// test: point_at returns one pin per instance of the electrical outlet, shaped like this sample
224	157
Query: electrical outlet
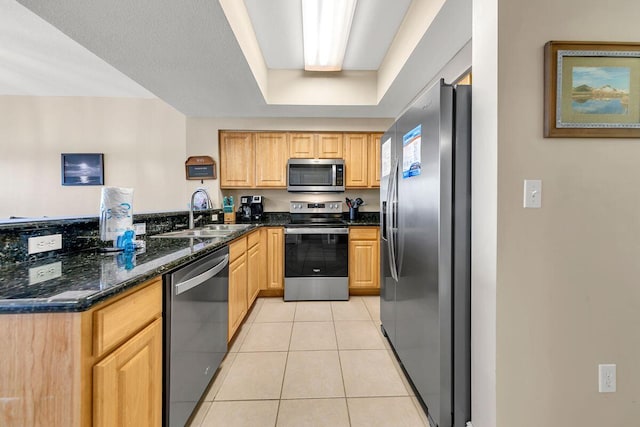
45	272
607	378
44	243
140	228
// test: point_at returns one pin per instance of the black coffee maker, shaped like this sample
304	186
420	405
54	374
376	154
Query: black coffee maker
244	212
257	208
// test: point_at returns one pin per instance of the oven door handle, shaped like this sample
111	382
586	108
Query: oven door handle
200	279
303	230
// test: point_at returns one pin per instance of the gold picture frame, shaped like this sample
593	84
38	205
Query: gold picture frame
591	90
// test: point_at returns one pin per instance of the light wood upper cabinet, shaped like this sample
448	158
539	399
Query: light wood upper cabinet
275	258
364	258
307	145
272	152
374	159
127	384
329	146
259	159
237	159
356	159
302	145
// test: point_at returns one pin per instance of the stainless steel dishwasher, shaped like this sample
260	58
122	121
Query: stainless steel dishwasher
195	337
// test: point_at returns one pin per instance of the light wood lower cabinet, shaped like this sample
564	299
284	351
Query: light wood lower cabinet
127	384
257	265
364	258
275	258
96	367
238	275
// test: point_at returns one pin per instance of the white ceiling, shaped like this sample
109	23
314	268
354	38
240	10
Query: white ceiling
187	54
38	59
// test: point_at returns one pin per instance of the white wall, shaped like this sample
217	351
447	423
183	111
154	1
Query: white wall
202	139
143	141
566	294
484	212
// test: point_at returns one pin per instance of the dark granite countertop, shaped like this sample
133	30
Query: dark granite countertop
89	277
363	222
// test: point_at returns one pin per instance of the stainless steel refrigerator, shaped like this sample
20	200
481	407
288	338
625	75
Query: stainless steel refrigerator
425	206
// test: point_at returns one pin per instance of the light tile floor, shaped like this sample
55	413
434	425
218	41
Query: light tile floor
310	364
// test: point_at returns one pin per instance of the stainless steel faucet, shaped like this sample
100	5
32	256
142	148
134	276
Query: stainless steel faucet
191	209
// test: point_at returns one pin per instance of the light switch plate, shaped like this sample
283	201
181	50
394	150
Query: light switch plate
532	193
47	243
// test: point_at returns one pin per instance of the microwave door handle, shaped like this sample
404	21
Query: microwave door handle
334	172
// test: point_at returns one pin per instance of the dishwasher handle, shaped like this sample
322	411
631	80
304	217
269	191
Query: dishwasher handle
198	280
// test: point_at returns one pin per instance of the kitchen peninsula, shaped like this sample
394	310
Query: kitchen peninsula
102	315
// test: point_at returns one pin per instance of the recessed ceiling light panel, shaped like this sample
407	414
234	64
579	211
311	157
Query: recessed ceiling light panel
326	25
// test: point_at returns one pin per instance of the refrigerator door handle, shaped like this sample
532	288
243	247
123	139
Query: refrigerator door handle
392	222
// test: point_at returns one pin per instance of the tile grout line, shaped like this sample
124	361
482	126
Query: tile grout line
344	387
286	362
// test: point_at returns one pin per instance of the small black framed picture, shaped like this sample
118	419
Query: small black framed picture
82	169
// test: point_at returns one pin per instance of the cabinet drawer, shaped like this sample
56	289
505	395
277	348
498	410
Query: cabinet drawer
237	248
117	322
253	238
368	233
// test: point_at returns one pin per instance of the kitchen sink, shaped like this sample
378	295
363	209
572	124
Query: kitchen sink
227	227
207	232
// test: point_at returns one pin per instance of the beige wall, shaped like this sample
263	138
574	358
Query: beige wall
143	141
202	139
567	294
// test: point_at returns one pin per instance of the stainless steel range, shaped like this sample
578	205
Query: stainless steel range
316	264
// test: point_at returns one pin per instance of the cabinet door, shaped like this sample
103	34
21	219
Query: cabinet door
275	258
330	146
253	273
356	160
237	160
302	145
272	152
364	257
237	293
374	159
263	258
127	388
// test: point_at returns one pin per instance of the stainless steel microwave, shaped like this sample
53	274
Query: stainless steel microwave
315	175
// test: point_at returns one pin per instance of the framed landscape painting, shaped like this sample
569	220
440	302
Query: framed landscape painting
592	89
82	169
